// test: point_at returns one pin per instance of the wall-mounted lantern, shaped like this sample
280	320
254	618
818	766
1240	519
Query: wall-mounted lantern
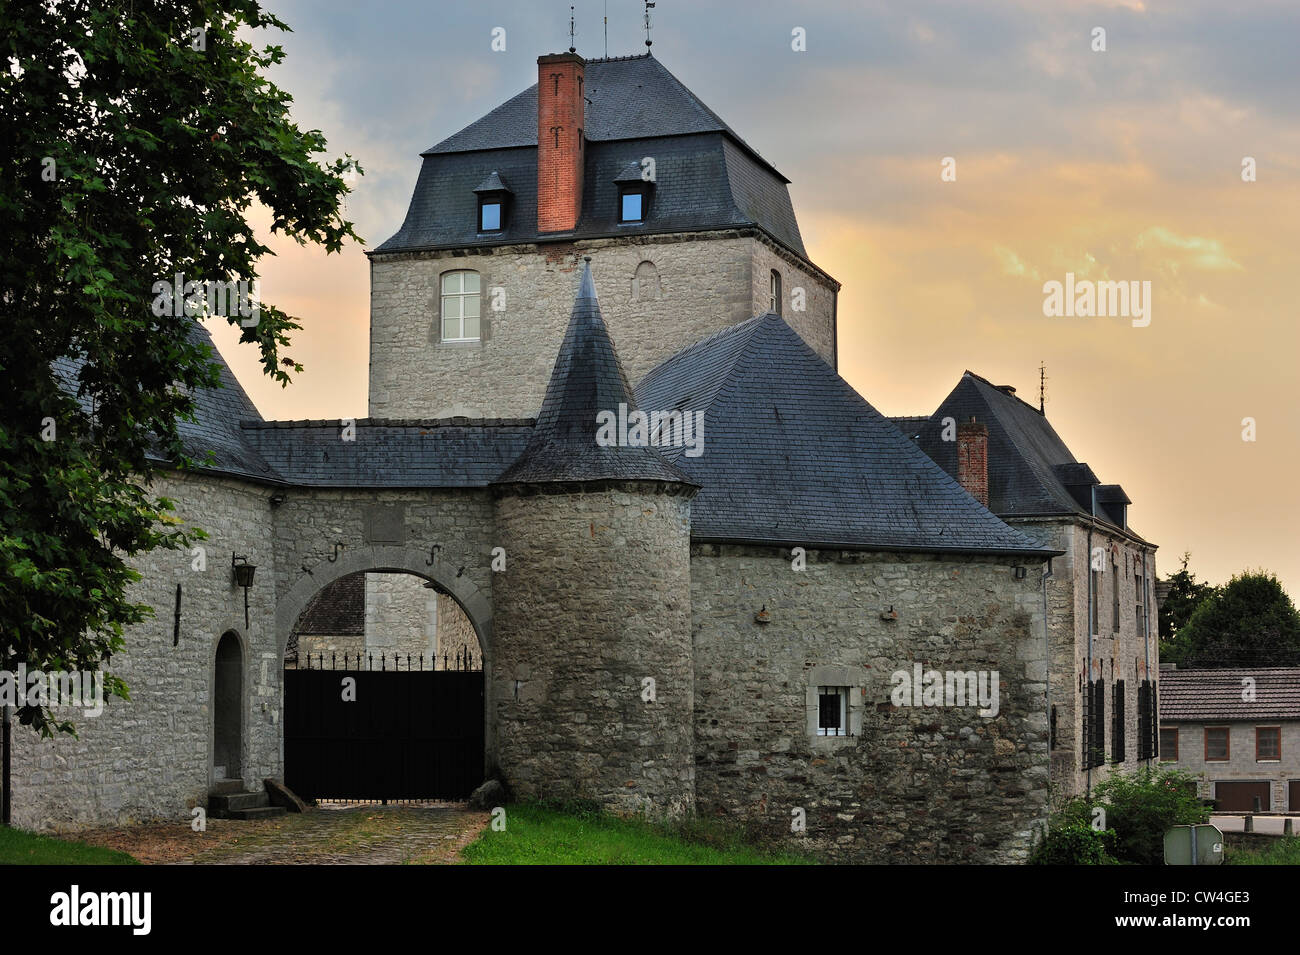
243	573
763	616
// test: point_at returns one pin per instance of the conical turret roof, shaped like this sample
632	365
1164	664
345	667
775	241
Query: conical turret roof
587	379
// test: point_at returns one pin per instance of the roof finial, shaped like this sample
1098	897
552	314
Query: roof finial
1042	389
648	7
572	47
607	29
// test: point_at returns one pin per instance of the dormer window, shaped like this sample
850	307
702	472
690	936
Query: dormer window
631	205
633	193
493	204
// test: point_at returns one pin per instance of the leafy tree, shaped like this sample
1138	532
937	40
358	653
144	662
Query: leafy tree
1185	595
136	138
1248	622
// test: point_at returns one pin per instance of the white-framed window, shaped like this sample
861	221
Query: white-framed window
460	306
832	711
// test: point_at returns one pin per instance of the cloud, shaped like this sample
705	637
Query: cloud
1203	253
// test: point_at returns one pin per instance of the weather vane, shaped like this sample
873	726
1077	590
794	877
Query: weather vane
648	7
572	46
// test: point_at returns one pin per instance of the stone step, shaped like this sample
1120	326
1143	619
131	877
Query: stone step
240	800
261	812
227	786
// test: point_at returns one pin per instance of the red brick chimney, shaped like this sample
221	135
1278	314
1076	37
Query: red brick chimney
560	116
973	459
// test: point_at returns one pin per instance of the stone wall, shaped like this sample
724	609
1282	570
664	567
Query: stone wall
455	634
1120	654
912	784
694	285
594	602
401	616
149	758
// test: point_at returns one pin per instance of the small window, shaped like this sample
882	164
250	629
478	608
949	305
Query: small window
1096	585
1268	743
774	292
1169	744
832	711
1216	744
460	306
631	205
489	216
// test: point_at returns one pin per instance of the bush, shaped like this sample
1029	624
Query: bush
1143	806
1138	809
1070	842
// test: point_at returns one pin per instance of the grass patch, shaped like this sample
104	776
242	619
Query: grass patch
1284	850
538	834
26	848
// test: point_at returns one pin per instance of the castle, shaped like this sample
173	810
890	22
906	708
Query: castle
724	632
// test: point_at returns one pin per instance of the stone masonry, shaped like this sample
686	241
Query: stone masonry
706	283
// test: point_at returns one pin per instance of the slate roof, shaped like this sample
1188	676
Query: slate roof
216	428
587	379
628	97
338	609
449	452
1030	468
1215	695
706	177
792	454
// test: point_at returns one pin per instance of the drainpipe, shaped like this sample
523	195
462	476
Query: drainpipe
1092	600
1146	650
1047	644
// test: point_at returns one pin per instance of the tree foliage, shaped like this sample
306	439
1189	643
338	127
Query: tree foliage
1248	622
1185	595
137	137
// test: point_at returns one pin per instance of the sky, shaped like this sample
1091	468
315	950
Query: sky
1122	164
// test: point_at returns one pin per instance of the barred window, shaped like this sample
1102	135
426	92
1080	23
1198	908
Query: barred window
832	711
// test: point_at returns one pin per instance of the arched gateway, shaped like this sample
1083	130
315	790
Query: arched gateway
385	727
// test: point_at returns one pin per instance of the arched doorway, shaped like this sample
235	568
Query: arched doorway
227	716
383	683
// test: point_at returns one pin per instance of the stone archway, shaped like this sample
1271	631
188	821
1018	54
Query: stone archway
386	559
475	603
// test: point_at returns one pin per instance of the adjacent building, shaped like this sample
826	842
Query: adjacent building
1098	596
1239	730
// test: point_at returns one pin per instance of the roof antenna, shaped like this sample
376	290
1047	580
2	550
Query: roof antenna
572	48
648	7
1042	389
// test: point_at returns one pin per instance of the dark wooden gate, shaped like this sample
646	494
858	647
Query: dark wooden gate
409	734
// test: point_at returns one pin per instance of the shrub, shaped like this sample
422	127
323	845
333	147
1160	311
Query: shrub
1071	842
1141	807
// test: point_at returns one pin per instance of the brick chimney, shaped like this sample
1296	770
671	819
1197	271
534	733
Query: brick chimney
973	459
560	123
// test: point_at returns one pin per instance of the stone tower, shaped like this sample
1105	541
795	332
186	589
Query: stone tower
614	158
592	694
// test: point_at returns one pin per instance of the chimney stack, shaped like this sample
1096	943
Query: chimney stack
973	459
560	123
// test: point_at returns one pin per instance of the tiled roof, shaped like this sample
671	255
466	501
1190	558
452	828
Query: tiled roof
792	454
706	177
214	440
1030	467
338	609
587	379
1208	695
449	452
629	97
